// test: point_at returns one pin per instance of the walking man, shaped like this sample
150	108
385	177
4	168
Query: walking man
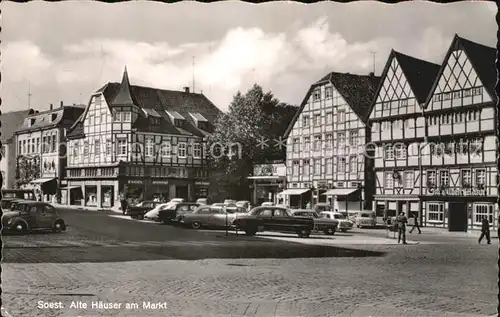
401	222
485	230
415	224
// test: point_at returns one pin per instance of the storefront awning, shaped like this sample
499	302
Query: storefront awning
266	177
340	191
294	191
42	180
70	187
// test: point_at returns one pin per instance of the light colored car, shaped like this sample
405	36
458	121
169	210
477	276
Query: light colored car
366	218
153	214
344	223
212	216
229	202
202	201
177	200
244	204
267	203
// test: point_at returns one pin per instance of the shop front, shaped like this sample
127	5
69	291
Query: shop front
268	181
201	189
459	210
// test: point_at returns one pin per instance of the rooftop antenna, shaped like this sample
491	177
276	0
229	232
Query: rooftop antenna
373	55
193	75
29	95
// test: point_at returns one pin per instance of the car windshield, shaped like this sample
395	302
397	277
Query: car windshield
339	216
366	216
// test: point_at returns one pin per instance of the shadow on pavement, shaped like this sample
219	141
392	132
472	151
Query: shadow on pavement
192	252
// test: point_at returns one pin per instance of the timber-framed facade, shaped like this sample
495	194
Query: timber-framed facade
142	141
326	143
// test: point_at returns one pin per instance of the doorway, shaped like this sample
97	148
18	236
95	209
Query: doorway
402	208
457	216
181	192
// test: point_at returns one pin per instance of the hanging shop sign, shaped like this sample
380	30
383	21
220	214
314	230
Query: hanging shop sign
135	181
269	170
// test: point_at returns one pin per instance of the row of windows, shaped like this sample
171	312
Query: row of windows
407	178
462	147
402	103
165	149
468	178
435	212
329	185
457	117
327	141
316	118
137	171
32	146
344	165
458	94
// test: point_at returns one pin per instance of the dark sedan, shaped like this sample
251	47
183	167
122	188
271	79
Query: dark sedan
32	215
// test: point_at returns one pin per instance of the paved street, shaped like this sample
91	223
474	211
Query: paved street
110	259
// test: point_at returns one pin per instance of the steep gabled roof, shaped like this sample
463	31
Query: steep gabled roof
357	90
420	74
11	121
481	57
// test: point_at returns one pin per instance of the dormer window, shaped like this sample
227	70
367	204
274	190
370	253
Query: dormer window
153	115
54	117
200	121
176	118
31	122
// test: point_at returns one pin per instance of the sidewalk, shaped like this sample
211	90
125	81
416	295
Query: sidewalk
469	234
113	209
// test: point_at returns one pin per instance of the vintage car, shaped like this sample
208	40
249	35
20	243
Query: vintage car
319	207
9	195
321	223
177	200
244	204
230	202
153	214
273	218
344	223
173	213
138	211
202	201
212	217
32	215
267	203
366	218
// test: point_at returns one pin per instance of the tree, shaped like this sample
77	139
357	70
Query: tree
246	134
28	169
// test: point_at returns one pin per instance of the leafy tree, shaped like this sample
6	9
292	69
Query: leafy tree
28	169
243	136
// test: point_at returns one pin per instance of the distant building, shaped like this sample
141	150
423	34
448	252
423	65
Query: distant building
268	181
141	142
41	147
11	121
326	143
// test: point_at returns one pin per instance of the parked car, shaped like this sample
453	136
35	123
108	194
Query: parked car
32	215
321	222
202	201
177	200
9	195
267	203
245	204
272	218
366	218
153	214
230	202
344	223
173	213
212	216
319	207
138	211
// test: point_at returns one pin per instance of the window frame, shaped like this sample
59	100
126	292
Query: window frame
439	212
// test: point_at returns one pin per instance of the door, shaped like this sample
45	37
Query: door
281	220
181	192
402	208
457	216
265	218
48	215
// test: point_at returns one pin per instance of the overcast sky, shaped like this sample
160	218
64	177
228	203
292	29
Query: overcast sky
67	50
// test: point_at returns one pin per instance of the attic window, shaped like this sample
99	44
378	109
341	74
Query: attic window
200	121
32	122
54	116
176	118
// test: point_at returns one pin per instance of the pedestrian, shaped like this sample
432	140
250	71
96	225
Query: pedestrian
401	222
415	224
485	230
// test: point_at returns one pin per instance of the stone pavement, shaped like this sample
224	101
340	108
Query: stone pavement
422	280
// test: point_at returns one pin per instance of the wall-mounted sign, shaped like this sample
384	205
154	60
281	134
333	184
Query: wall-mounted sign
202	183
457	192
135	181
159	182
269	170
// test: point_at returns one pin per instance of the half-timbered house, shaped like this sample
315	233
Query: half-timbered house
398	133
140	141
459	163
326	141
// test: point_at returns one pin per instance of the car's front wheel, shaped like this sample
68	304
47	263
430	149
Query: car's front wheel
21	227
343	230
196	225
250	231
304	233
330	231
140	217
59	226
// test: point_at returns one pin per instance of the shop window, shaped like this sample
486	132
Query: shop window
435	212
482	210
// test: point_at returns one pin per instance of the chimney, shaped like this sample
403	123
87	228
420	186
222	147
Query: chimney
51	106
372	74
186	89
62	104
